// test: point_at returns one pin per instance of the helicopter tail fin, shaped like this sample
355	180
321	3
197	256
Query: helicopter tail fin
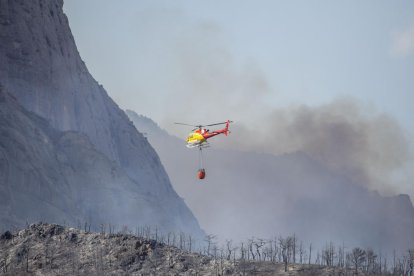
226	130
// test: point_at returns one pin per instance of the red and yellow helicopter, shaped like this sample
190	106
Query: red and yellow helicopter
198	139
199	136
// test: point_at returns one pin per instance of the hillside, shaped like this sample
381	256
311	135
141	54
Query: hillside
73	155
48	249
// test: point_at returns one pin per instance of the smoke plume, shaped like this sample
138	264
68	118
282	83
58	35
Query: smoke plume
198	78
366	146
349	137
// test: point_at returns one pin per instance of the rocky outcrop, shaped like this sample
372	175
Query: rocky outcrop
93	150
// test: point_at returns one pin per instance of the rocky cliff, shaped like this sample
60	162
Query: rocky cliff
41	67
95	161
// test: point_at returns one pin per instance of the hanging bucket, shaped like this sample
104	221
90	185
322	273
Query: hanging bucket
201	173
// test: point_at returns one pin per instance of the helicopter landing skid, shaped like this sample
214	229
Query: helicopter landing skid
200	146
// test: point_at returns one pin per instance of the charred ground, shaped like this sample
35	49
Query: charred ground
50	249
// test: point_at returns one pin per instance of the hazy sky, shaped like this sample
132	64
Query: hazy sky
202	60
206	61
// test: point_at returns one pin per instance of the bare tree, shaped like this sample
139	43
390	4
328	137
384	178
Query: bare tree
301	252
243	251
328	254
168	238
268	254
250	249
310	253
341	256
293	245
229	249
103	228
182	240
112	229
190	243
371	258
210	239
125	230
318	258
394	264
258	245
156	234
276	251
284	245
358	257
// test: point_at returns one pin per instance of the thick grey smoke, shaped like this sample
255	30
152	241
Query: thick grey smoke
349	137
366	146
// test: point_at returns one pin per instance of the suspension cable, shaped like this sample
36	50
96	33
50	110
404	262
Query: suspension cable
200	158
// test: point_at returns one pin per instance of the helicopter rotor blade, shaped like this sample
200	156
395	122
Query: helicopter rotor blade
185	124
200	126
219	123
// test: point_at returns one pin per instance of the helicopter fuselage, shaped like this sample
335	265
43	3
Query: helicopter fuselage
200	136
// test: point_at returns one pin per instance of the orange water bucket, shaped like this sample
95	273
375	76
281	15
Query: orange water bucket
201	173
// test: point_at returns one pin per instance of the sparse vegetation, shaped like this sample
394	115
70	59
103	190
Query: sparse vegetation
50	249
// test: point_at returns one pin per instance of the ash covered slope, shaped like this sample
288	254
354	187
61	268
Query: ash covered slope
45	249
263	195
41	67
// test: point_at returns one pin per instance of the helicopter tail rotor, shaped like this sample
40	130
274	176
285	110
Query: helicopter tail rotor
226	129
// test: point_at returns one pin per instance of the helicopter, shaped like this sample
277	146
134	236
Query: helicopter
199	136
198	139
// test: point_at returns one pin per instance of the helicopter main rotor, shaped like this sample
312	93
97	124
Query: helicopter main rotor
201	126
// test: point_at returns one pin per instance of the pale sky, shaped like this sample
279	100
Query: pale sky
205	61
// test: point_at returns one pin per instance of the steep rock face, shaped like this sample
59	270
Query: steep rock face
41	67
50	175
28	168
251	194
